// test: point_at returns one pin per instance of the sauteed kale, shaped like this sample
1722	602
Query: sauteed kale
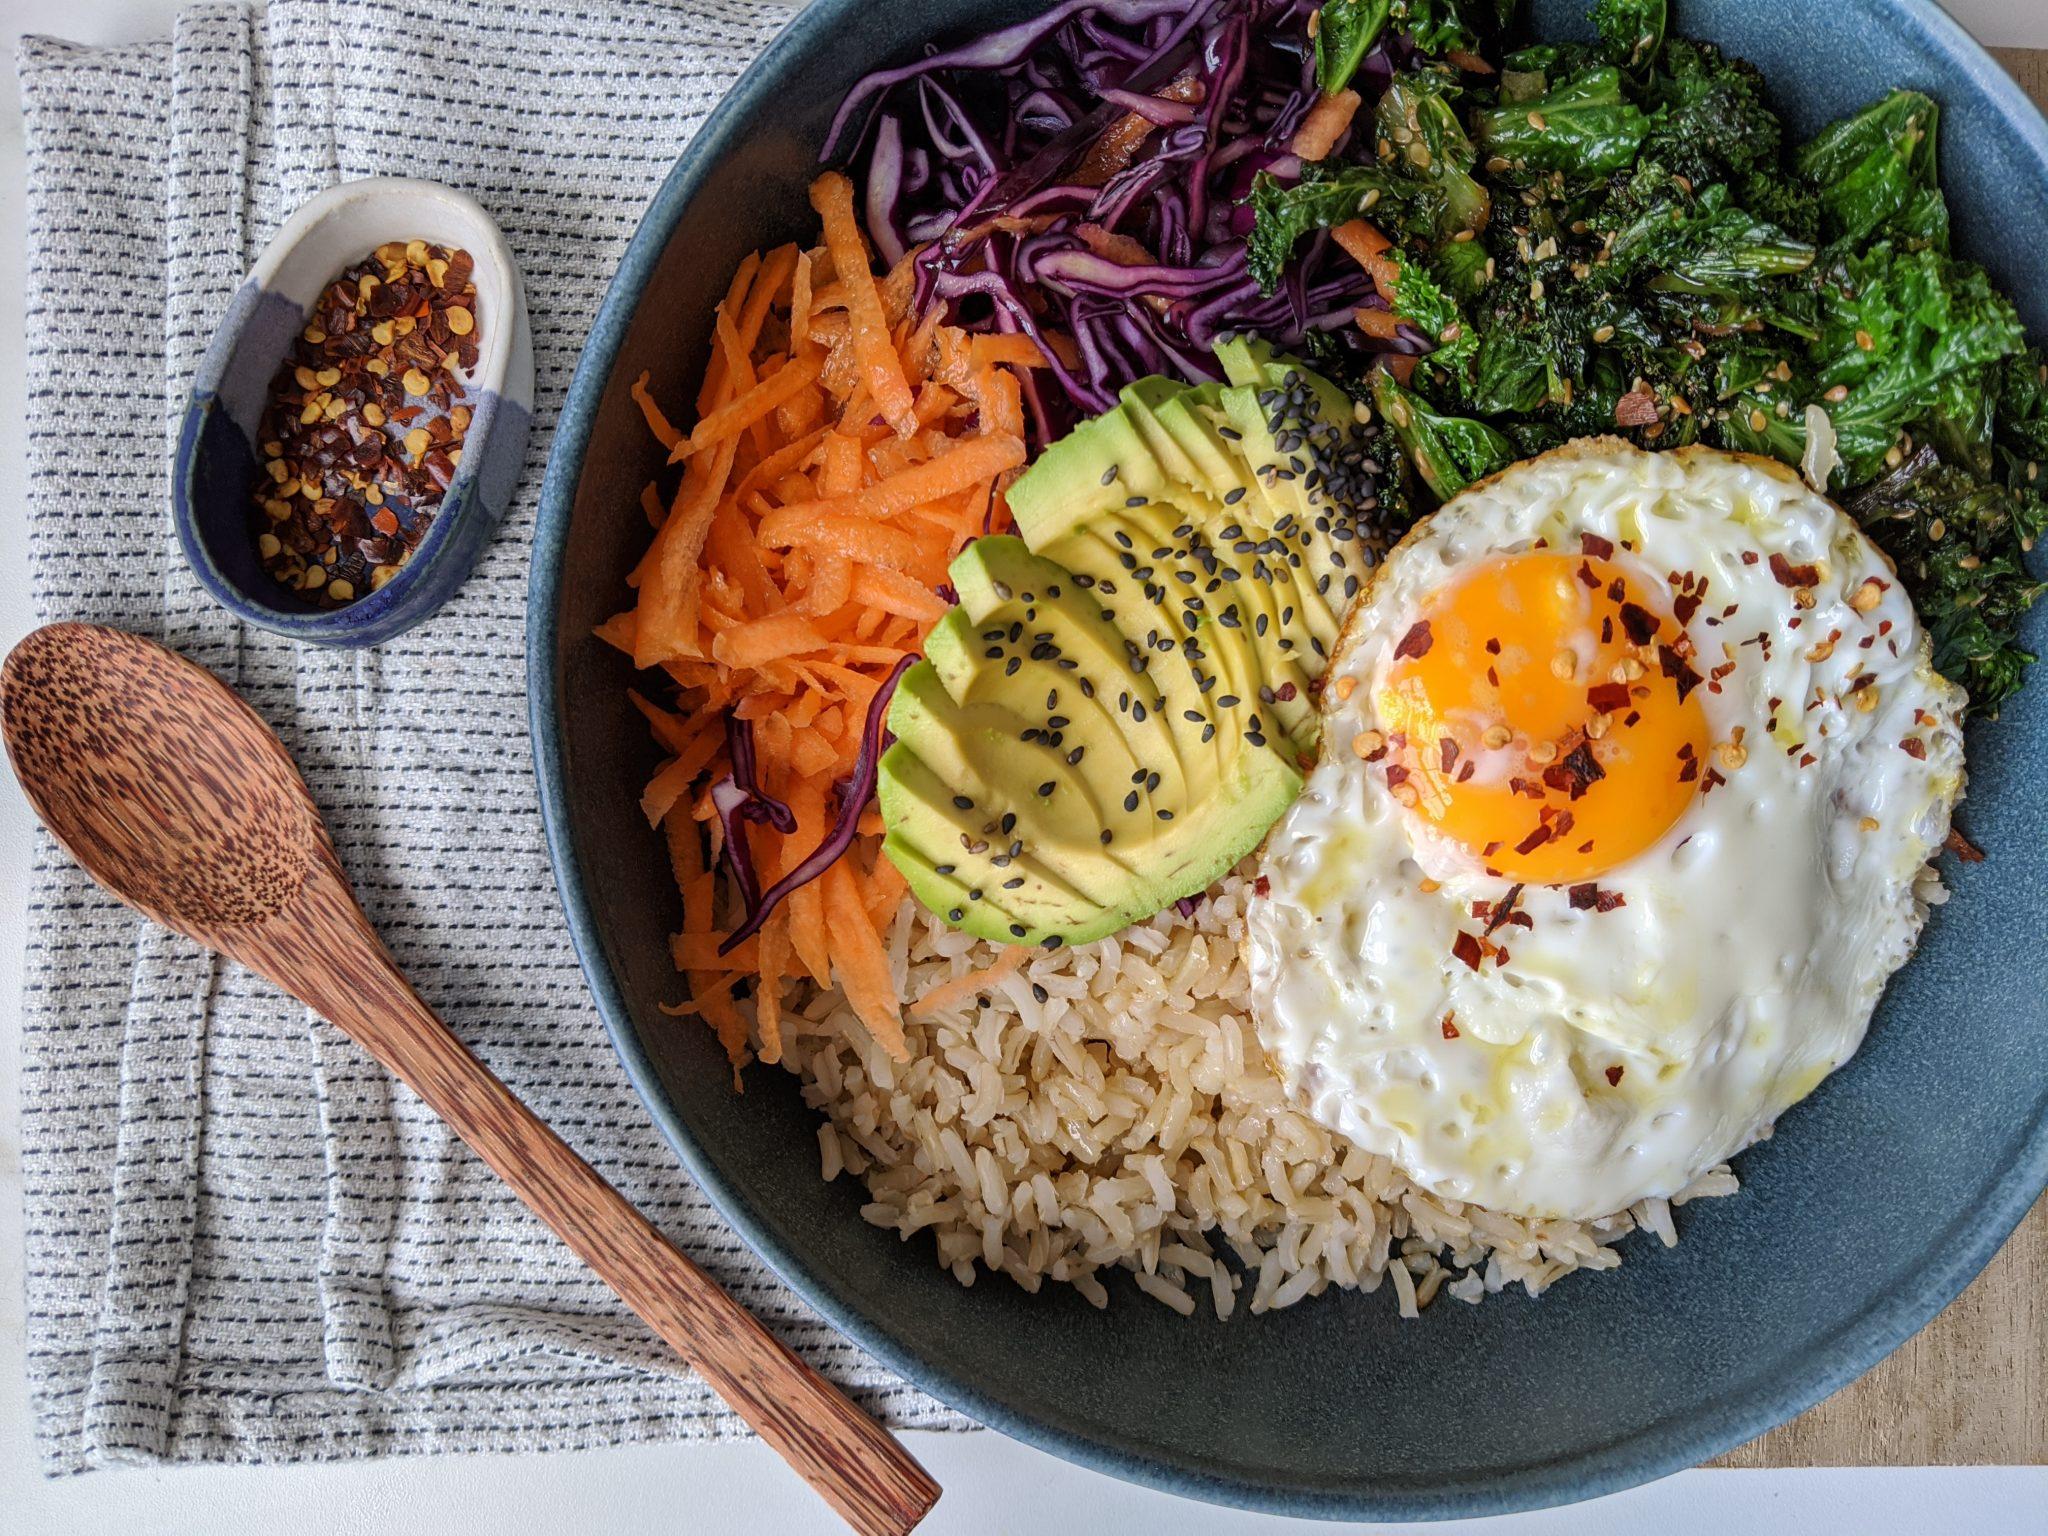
1620	237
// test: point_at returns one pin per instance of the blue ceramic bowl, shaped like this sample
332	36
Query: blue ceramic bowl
216	459
1875	1203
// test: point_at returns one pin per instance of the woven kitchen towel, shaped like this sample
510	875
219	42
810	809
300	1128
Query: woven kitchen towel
244	1242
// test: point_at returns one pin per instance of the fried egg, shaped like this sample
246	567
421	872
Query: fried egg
1633	767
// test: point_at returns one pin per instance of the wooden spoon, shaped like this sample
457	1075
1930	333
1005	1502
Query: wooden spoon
175	796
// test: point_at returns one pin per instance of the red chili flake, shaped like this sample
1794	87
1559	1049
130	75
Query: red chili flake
365	422
1749	557
1490	849
1639	622
1807	759
1586	575
1576	772
1466	948
1450	1029
1493	647
1614	1076
1689	772
1502	910
1262	886
1914	747
1284	693
1493	677
1466	771
1533	841
1684	606
1711	781
1397	773
1790	575
1606	629
1962	847
1678	670
1616	590
1592	544
1637	408
1447	750
1416	642
1608	697
1583	896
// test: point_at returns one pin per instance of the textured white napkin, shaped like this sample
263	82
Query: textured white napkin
244	1242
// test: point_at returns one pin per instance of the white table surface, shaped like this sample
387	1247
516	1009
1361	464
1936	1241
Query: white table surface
993	1485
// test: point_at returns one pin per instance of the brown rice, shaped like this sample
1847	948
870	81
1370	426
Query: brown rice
1109	1107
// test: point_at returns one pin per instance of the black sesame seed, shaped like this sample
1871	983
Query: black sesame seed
962	803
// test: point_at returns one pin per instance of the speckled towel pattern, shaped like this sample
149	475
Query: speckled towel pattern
244	1241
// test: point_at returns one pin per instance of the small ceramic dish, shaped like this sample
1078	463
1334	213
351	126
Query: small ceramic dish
215	465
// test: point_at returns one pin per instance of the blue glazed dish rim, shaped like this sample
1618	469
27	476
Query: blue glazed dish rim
1777	1392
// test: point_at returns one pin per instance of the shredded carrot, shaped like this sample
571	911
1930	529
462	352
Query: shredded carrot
1325	124
1383	324
843	451
949	994
832	196
1364	244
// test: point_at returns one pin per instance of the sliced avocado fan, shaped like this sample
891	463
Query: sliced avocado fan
1122	702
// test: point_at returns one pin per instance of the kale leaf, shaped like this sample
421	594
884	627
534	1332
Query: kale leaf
1631	31
1448	452
1874	172
1425	141
1348	29
1344	36
1897	326
1580	126
1959	544
1282	211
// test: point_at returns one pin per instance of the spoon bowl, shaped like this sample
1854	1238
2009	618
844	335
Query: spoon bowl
93	715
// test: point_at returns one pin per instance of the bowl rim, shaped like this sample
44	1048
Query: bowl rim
502	378
1770	1396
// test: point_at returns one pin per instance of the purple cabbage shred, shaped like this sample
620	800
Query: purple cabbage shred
1083	175
853	800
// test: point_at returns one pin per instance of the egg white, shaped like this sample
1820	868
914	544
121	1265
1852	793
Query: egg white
1755	936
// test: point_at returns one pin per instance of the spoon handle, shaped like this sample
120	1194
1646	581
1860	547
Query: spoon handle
862	1472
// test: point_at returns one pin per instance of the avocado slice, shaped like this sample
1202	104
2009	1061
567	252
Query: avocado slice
1040	786
1122	701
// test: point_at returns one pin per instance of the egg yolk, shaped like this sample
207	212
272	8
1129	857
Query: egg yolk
1540	711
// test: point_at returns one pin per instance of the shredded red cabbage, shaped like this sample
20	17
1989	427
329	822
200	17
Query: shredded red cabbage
1081	178
853	799
739	799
